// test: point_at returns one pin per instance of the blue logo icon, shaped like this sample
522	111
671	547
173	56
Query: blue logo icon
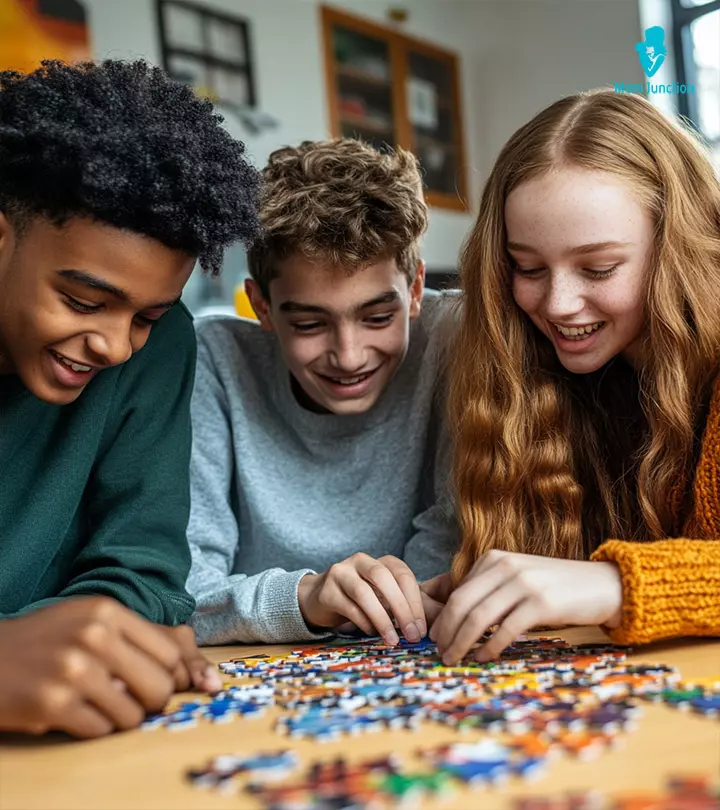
652	52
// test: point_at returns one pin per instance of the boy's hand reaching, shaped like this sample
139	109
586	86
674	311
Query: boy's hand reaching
193	669
369	593
89	666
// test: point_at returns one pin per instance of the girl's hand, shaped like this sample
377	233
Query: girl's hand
522	591
369	593
435	593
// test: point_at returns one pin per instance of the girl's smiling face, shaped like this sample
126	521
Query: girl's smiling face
579	243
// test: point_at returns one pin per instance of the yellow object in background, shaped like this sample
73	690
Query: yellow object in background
243	307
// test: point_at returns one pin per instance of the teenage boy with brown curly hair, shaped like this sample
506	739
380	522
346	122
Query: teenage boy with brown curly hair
317	462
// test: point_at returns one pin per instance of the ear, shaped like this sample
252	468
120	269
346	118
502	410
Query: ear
259	304
416	290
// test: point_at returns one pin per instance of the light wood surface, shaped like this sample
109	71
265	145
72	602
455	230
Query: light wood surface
145	769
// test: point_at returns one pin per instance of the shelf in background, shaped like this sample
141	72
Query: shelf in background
357	75
365	124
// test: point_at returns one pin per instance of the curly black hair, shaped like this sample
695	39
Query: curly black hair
121	143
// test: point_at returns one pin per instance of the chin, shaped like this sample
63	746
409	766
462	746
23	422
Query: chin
60	397
51	395
587	367
353	408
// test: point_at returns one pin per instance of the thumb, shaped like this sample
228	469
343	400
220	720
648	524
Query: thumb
203	675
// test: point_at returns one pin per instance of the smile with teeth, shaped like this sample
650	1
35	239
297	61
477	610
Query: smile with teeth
70	364
350	380
578	332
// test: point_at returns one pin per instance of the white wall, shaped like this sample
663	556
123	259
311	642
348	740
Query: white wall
533	52
517	56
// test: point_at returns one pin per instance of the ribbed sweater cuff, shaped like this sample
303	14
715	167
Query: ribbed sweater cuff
671	588
278	611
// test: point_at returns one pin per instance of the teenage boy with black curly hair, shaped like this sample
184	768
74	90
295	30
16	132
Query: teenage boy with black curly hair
318	464
113	181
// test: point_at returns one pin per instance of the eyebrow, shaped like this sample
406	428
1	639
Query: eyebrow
96	283
580	250
296	307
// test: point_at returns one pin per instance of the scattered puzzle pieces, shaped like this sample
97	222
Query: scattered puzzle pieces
682	793
542	699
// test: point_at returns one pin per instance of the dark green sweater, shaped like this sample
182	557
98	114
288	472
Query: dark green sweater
94	496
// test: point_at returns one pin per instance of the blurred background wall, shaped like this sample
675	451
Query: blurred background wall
513	57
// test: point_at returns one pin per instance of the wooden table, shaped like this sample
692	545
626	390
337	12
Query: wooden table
144	769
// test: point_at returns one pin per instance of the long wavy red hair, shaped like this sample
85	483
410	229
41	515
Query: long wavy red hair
552	463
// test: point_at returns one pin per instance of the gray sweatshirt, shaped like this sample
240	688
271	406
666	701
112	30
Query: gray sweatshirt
279	491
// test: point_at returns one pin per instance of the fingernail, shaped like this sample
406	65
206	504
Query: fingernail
422	628
447	660
212	680
391	638
412	633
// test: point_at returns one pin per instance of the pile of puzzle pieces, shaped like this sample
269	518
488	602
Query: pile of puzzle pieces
541	699
381	783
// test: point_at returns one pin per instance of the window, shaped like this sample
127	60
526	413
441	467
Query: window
210	51
696	39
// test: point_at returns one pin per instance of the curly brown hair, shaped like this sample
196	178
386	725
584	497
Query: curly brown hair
340	203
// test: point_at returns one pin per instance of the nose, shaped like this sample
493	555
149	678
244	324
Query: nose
348	351
115	344
564	296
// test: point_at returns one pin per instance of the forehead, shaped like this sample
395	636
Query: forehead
142	267
573	206
300	280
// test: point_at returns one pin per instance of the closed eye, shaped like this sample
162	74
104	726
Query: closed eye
306	327
380	320
89	309
145	321
600	273
530	271
79	306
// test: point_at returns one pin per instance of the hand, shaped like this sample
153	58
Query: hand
367	592
435	593
86	666
519	592
193	669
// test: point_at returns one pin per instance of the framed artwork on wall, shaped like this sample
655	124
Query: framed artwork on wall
33	30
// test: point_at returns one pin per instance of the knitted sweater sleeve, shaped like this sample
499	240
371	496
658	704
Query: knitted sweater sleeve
671	588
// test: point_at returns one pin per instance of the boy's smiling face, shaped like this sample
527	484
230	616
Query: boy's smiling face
343	336
79	298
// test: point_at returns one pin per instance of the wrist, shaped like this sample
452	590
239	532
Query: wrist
305	595
615	604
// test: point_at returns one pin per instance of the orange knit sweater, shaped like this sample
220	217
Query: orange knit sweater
671	588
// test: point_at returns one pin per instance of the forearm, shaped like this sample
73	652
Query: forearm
239	608
671	588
